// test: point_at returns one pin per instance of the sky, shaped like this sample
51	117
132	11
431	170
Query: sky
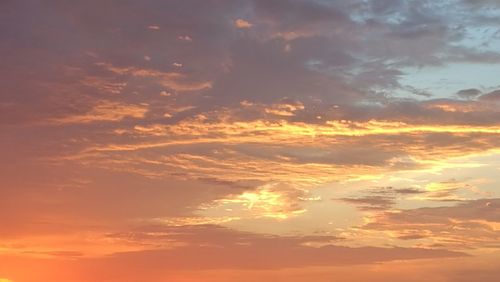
249	140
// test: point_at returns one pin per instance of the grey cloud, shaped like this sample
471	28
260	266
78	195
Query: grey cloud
408	191
468	93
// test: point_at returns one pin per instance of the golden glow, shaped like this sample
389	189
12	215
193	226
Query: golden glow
288	132
267	201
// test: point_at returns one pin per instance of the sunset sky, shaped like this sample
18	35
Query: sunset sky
249	140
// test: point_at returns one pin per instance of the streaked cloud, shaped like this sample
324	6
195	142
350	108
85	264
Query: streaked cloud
471	224
106	111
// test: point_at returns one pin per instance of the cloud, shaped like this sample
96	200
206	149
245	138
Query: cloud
371	202
408	191
277	201
239	23
381	199
445	190
210	247
105	111
469	224
256	257
173	80
309	154
115	114
491	97
468	93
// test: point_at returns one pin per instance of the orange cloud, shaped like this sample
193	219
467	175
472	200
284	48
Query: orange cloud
240	23
174	80
105	111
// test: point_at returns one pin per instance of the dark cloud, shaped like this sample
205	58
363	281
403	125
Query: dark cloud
408	191
483	209
468	93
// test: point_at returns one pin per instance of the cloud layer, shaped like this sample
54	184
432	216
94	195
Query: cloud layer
312	136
